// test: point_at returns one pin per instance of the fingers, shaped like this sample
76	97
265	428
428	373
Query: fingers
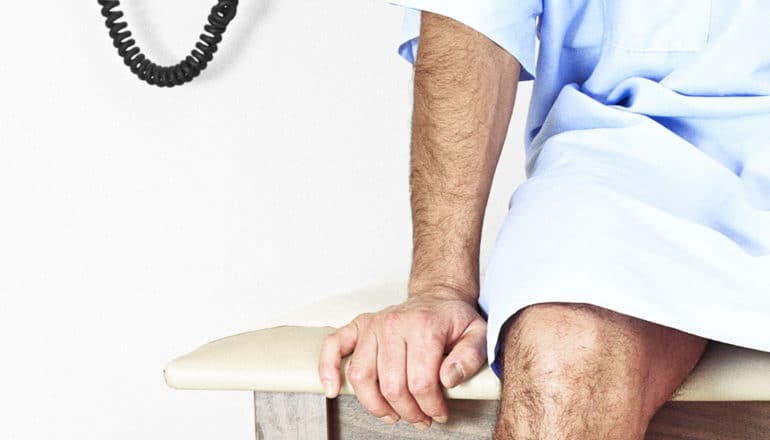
397	367
362	376
466	357
334	347
391	368
424	355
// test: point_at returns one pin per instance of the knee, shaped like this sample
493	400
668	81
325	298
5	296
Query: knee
567	367
556	347
571	367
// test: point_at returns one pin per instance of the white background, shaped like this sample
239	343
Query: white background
138	223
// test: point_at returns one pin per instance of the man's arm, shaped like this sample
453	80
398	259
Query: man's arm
464	92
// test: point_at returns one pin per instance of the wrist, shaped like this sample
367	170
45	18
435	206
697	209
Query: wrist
447	287
449	263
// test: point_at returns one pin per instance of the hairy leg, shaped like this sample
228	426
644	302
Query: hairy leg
578	371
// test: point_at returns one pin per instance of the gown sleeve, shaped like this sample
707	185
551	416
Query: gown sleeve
512	24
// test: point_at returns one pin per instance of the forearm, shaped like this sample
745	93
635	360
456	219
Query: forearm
464	92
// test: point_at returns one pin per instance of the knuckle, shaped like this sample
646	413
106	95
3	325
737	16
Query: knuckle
429	326
433	336
428	340
391	320
421	385
428	318
357	374
391	389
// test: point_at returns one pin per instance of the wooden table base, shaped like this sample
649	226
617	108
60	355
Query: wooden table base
310	416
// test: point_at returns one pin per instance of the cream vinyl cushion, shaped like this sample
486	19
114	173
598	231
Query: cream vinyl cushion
284	357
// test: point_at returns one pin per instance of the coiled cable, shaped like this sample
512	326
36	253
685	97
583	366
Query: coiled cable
185	70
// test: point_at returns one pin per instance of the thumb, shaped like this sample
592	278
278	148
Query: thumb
467	355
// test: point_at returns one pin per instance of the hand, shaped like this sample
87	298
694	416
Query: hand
398	355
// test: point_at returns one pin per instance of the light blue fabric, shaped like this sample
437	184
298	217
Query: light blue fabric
647	161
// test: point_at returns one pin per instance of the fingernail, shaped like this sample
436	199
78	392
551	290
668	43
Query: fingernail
328	389
456	375
388	419
422	426
440	419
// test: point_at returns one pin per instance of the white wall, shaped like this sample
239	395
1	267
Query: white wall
138	223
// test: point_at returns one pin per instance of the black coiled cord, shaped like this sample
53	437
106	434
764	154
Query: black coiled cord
185	70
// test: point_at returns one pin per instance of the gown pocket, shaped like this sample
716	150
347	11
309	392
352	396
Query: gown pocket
658	25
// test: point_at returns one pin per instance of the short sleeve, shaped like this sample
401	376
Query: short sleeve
512	24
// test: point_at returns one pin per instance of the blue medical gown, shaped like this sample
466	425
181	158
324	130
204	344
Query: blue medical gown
647	160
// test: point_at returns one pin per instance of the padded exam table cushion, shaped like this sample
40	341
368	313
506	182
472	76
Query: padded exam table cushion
283	357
